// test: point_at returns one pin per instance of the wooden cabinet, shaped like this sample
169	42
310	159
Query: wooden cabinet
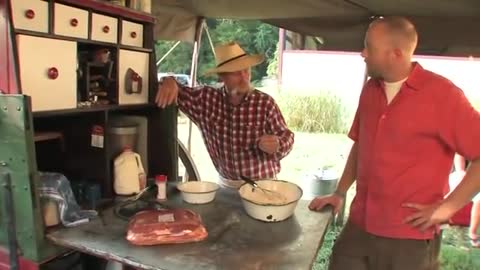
61	49
48	72
30	15
132	34
70	21
104	28
133	77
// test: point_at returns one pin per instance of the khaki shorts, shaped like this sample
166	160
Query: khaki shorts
356	249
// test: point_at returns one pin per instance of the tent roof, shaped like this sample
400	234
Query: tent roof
446	27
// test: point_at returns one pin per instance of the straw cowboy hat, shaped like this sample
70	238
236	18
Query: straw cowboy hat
230	58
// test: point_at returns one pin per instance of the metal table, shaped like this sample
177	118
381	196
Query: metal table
235	241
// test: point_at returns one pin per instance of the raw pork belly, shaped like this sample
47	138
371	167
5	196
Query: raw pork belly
174	226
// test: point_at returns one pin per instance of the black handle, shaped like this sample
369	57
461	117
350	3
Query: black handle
10	219
249	181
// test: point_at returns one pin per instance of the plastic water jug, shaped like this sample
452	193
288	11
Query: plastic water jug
129	173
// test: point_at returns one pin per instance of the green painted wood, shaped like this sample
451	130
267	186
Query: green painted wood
17	158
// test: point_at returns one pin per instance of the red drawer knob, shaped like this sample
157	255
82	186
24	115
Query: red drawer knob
74	22
135	77
106	29
30	14
52	73
133	34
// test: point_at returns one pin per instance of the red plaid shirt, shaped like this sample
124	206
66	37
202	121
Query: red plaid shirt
231	133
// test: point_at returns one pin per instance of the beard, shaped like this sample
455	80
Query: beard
241	89
373	73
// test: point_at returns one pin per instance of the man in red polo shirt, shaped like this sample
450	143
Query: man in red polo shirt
408	126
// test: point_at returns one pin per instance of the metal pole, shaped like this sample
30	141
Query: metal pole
209	38
10	219
194	69
281	48
193	77
166	54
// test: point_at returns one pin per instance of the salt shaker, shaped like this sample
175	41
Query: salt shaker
161	181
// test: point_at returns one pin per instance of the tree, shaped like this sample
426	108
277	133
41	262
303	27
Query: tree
253	36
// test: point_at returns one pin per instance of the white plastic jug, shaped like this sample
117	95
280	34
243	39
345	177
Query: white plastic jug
129	173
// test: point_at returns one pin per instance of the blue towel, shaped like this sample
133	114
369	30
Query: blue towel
56	187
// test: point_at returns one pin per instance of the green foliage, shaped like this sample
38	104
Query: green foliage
254	37
454	258
321	113
272	68
323	255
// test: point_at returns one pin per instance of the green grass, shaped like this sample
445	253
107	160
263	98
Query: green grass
323	256
323	113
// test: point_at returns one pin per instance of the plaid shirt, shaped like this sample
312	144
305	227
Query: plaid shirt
231	133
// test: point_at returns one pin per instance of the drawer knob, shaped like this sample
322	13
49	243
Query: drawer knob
135	77
52	73
74	22
106	29
30	14
133	34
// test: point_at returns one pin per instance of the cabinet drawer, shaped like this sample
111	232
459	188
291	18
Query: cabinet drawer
50	79
104	28
70	21
132	34
133	77
30	15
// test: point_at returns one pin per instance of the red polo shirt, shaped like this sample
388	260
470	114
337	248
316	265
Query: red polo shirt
406	149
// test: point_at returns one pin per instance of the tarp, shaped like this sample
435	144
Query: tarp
446	27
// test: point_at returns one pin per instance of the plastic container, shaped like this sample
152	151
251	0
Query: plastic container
161	182
129	173
51	215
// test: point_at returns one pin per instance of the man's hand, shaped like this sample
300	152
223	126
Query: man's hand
167	92
335	200
427	215
269	144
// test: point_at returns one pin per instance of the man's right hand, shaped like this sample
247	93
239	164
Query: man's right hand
167	92
335	200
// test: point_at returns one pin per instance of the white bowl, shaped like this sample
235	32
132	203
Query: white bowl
198	192
268	207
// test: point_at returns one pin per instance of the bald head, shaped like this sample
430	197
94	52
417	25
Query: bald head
400	31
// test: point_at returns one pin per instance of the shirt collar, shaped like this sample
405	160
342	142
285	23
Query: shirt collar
414	81
416	78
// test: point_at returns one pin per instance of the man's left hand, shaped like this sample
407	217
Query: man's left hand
427	215
269	144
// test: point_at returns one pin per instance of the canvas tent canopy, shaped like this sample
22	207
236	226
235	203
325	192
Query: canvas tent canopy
446	27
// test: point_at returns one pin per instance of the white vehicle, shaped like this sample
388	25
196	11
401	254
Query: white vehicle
183	79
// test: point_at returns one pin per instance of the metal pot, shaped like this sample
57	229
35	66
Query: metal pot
122	136
321	182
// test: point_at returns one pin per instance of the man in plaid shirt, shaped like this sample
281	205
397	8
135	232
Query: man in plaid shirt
243	128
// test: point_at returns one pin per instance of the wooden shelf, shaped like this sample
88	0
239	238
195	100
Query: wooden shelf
45	136
138	49
97	108
84	41
108	8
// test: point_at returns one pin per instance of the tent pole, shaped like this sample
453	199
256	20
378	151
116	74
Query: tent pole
209	39
194	68
167	53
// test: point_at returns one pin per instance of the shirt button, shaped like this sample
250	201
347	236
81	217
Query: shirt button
383	116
